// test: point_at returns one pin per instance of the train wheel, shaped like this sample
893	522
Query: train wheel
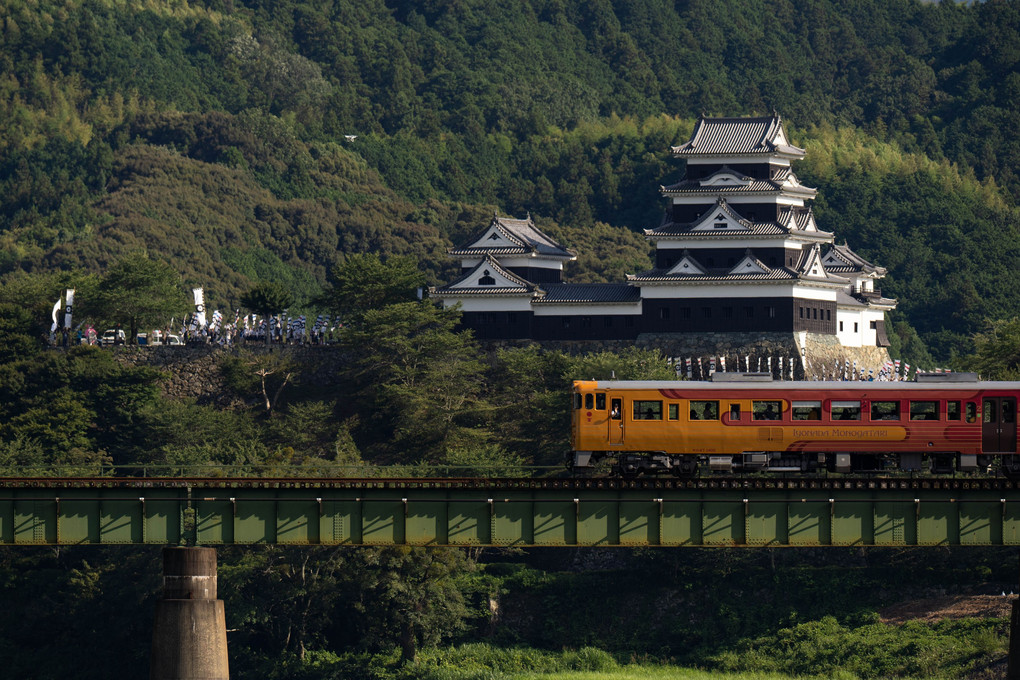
687	467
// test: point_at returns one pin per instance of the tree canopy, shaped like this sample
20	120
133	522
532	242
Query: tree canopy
138	292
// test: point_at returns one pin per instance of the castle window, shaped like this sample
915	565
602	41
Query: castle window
727	312
855	327
585	322
706	312
486	279
874	325
511	317
607	321
685	312
749	312
719	225
770	312
801	309
566	322
664	313
840	326
629	322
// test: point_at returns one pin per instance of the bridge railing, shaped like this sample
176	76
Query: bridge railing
277	470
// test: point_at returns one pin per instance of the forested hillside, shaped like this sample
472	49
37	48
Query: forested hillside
327	153
213	132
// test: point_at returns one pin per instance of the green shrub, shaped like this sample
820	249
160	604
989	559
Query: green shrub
591	659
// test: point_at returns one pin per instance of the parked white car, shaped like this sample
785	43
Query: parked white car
113	336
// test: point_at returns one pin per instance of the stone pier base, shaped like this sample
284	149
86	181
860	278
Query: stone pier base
189	637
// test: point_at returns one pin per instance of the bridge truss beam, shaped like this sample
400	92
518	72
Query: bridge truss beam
751	512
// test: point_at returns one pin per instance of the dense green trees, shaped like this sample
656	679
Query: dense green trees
212	135
364	282
137	293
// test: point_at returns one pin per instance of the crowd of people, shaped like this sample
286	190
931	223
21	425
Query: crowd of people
249	329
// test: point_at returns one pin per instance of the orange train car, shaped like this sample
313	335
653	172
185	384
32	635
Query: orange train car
943	423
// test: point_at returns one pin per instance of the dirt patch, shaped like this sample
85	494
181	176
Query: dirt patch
932	609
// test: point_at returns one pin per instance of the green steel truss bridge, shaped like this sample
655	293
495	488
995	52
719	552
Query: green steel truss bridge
711	511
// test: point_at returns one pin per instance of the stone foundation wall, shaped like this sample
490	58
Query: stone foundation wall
815	356
194	371
826	358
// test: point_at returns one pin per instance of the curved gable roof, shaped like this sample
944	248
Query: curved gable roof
845	261
510	236
487	278
737	136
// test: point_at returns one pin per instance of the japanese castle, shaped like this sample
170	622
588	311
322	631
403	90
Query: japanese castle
737	251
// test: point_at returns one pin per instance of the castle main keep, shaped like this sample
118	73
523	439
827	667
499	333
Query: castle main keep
738	257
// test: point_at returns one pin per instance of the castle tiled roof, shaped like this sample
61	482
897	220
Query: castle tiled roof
798	223
808	269
589	293
784	181
510	236
738	136
507	283
845	261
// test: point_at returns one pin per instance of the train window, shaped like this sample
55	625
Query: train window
766	410
924	410
674	411
577	400
617	412
1007	411
647	410
971	412
734	411
885	410
846	410
988	408
589	401
806	410
704	410
600	402
953	410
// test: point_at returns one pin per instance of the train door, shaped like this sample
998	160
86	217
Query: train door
998	430
615	421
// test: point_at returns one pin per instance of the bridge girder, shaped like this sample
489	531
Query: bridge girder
752	512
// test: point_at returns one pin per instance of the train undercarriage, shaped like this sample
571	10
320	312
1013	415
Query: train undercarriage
690	465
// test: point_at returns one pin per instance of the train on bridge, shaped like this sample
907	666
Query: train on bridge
942	424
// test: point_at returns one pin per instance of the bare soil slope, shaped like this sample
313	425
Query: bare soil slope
932	609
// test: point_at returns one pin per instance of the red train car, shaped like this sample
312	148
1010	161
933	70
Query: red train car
743	422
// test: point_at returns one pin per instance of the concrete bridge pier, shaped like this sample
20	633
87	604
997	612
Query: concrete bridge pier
189	636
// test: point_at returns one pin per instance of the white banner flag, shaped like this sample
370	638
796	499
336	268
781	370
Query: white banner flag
67	308
56	310
199	307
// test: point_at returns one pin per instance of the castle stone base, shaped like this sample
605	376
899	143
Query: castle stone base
815	356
